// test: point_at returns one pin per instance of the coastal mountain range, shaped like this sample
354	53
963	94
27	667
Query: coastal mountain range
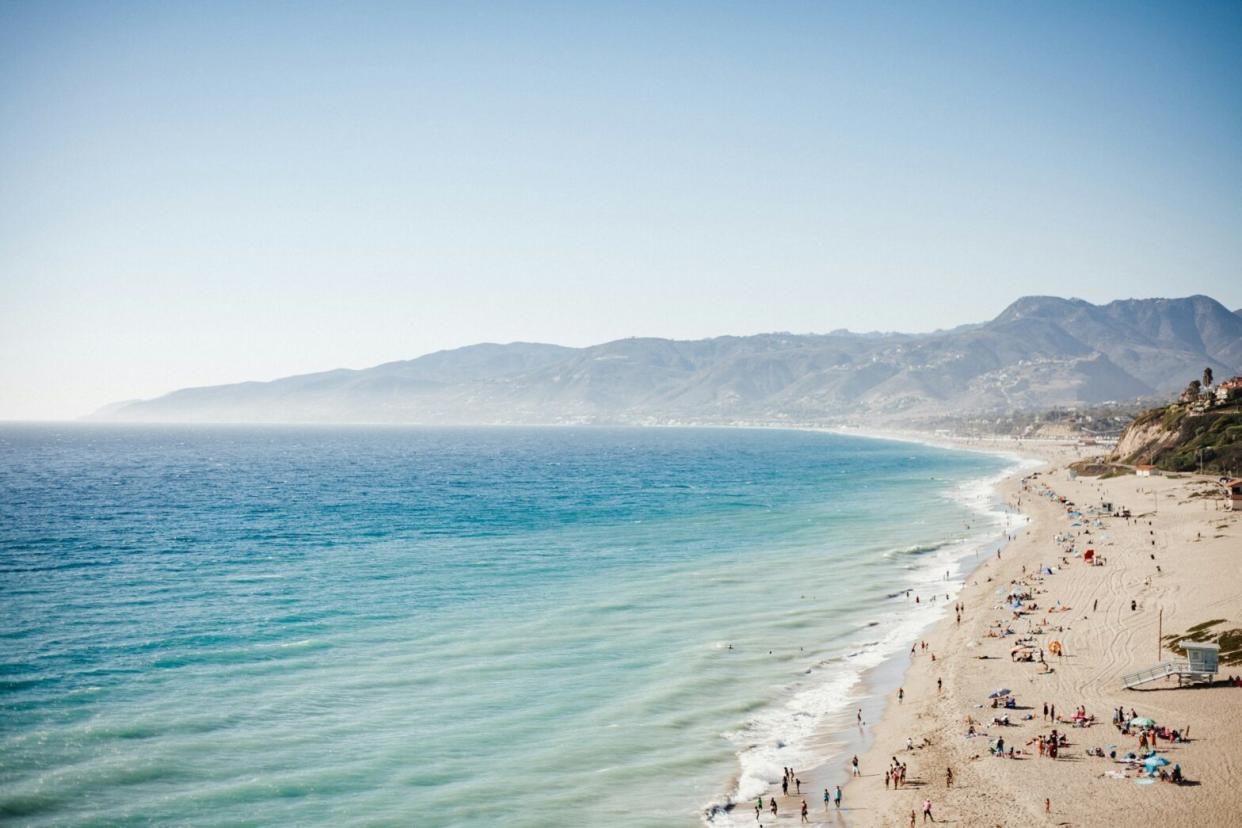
1039	352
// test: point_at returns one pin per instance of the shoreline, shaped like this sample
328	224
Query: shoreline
870	692
1102	644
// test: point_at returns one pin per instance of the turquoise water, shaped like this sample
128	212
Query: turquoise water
448	626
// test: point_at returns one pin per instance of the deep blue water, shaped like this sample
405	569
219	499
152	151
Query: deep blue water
436	626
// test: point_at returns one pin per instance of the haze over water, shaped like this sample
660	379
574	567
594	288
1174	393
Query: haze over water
441	626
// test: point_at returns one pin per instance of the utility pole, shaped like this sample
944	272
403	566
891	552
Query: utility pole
1160	635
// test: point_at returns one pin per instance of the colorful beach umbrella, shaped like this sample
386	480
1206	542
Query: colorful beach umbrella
1143	722
1155	761
999	694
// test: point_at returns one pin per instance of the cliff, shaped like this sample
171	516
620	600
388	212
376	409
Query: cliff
1175	439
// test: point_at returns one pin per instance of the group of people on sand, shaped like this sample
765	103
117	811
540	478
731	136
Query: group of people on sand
1174	776
790	778
1148	733
895	775
1049	745
1079	719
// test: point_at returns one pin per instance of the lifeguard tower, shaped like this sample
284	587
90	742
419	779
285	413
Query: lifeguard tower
1200	665
1233	494
1202	658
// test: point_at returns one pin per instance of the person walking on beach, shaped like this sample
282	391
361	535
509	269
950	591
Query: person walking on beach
1047	805
901	694
836	798
773	807
785	785
758	808
912	819
804	818
827	797
927	814
798	786
948	777
854	765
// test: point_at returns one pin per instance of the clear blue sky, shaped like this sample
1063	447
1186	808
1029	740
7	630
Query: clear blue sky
209	192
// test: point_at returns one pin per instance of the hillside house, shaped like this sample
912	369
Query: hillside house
1144	470
1223	388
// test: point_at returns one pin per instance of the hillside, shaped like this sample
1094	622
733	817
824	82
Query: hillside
1040	352
1174	438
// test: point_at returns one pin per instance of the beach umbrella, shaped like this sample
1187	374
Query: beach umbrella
1143	722
999	694
1155	761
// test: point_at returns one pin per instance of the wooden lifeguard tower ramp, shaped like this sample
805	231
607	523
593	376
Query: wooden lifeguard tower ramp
1199	665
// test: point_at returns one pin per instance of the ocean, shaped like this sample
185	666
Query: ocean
449	627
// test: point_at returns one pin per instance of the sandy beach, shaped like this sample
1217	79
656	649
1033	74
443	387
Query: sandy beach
1177	561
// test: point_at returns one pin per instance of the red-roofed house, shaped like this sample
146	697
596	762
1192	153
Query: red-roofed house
1223	389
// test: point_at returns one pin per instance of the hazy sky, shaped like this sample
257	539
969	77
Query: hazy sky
210	192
